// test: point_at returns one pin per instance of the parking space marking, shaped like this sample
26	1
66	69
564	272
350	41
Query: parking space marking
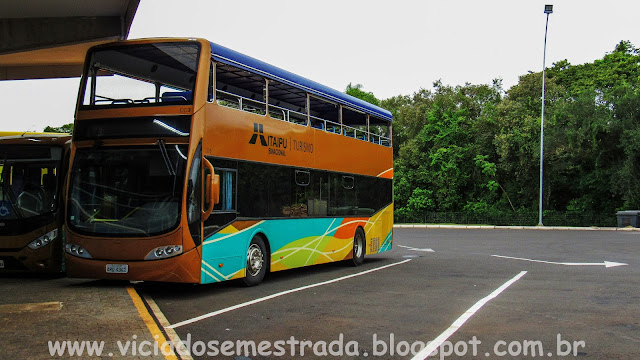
435	344
173	336
45	306
286	292
155	331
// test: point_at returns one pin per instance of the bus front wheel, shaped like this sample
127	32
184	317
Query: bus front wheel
256	262
359	243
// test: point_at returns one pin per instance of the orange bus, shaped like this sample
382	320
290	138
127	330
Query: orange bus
33	168
194	163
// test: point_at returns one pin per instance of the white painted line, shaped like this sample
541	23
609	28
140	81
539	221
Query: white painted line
435	344
178	345
416	249
607	264
273	296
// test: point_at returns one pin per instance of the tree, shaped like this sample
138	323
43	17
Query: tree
435	167
356	91
67	128
590	121
476	149
599	120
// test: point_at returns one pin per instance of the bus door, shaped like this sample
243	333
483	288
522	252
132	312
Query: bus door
223	194
211	197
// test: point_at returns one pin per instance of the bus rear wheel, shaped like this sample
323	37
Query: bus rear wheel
359	243
256	262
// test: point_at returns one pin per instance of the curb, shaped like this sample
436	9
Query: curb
491	227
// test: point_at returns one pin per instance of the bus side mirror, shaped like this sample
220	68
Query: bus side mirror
211	189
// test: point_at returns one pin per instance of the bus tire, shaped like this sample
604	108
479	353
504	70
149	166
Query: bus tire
359	245
257	261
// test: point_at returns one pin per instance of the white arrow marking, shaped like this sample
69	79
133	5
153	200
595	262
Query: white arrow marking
607	264
416	249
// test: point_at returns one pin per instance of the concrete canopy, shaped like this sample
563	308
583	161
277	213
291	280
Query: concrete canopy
49	39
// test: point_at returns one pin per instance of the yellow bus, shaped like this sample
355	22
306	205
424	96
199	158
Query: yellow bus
194	163
33	168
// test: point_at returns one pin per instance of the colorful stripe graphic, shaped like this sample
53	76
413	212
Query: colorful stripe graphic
293	243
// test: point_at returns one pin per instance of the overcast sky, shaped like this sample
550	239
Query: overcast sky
390	47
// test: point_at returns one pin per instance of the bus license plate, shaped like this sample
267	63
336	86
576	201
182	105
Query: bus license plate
1	264
117	268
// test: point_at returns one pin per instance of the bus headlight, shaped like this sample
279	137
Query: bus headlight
77	250
164	252
43	240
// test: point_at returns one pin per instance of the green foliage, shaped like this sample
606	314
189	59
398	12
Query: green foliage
356	91
436	146
67	128
476	149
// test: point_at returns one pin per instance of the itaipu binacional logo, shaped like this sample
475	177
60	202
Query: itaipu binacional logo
278	145
258	130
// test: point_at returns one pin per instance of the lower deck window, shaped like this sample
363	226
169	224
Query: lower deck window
254	190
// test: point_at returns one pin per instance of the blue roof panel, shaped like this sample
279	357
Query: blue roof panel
234	58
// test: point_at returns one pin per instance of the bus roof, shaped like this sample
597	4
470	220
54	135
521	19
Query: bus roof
234	58
26	134
7	137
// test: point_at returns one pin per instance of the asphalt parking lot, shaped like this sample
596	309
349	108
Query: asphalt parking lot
461	293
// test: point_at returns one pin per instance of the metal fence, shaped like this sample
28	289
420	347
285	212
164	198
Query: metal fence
550	218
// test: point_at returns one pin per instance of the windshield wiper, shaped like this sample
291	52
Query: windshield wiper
167	161
165	156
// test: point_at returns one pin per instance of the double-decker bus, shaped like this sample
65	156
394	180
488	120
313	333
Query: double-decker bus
194	163
33	167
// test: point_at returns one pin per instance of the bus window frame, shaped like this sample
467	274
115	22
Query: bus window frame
234	190
90	74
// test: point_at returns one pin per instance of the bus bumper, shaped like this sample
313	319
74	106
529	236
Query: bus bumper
184	268
47	259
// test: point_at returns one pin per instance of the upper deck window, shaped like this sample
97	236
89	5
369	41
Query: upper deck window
379	131
142	74
240	89
247	84
354	123
287	103
324	115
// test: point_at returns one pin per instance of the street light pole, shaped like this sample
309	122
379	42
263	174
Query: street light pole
548	9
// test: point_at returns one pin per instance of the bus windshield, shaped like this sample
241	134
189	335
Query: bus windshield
127	191
148	74
29	180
